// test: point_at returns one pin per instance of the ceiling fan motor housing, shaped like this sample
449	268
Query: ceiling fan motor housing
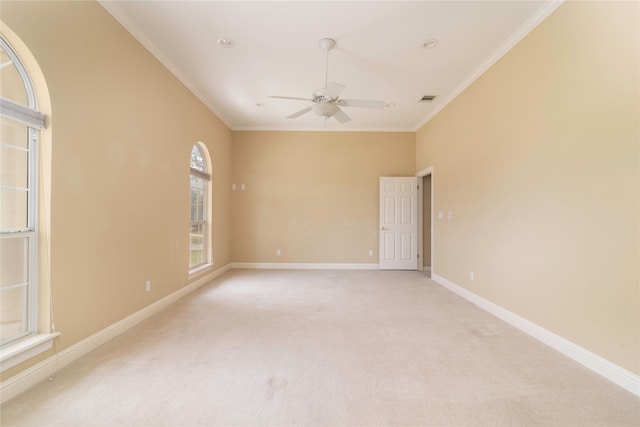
321	95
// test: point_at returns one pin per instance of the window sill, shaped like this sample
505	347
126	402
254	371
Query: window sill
24	349
193	273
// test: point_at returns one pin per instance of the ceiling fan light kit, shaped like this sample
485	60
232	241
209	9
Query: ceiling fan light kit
325	109
326	101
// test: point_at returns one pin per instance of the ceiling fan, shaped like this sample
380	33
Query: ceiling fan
326	101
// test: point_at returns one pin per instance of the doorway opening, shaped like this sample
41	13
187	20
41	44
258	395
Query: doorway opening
425	223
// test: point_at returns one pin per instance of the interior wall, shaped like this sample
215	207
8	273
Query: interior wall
538	161
122	128
313	195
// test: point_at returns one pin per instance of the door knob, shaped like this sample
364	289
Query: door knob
384	229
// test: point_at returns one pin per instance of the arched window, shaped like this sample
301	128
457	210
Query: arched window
20	122
199	224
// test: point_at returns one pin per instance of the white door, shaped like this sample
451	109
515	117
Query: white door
398	223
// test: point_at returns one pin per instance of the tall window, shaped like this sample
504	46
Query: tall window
19	121
199	252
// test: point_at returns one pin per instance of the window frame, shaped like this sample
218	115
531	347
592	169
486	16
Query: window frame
34	121
205	177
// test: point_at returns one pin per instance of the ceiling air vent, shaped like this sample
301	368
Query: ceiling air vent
427	98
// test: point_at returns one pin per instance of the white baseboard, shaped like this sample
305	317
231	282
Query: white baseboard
43	370
620	376
304	266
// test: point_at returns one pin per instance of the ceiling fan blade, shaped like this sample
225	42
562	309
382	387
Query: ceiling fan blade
362	103
333	90
341	116
299	113
291	97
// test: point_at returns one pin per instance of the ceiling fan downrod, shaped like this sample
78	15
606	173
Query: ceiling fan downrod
326	45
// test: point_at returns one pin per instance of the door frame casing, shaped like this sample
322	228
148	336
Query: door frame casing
421	174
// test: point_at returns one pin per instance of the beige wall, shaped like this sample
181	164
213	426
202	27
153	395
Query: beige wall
538	161
122	128
314	195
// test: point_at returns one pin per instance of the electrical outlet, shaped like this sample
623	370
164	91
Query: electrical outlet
370	252
278	252
148	285
472	275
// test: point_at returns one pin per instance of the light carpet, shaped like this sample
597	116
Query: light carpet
323	348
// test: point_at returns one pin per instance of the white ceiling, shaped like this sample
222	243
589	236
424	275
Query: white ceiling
378	55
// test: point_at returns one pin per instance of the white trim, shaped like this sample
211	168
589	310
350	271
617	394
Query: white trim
319	128
43	370
303	266
541	14
420	225
421	174
114	10
34	120
24	349
22	114
425	171
32	99
618	375
199	270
